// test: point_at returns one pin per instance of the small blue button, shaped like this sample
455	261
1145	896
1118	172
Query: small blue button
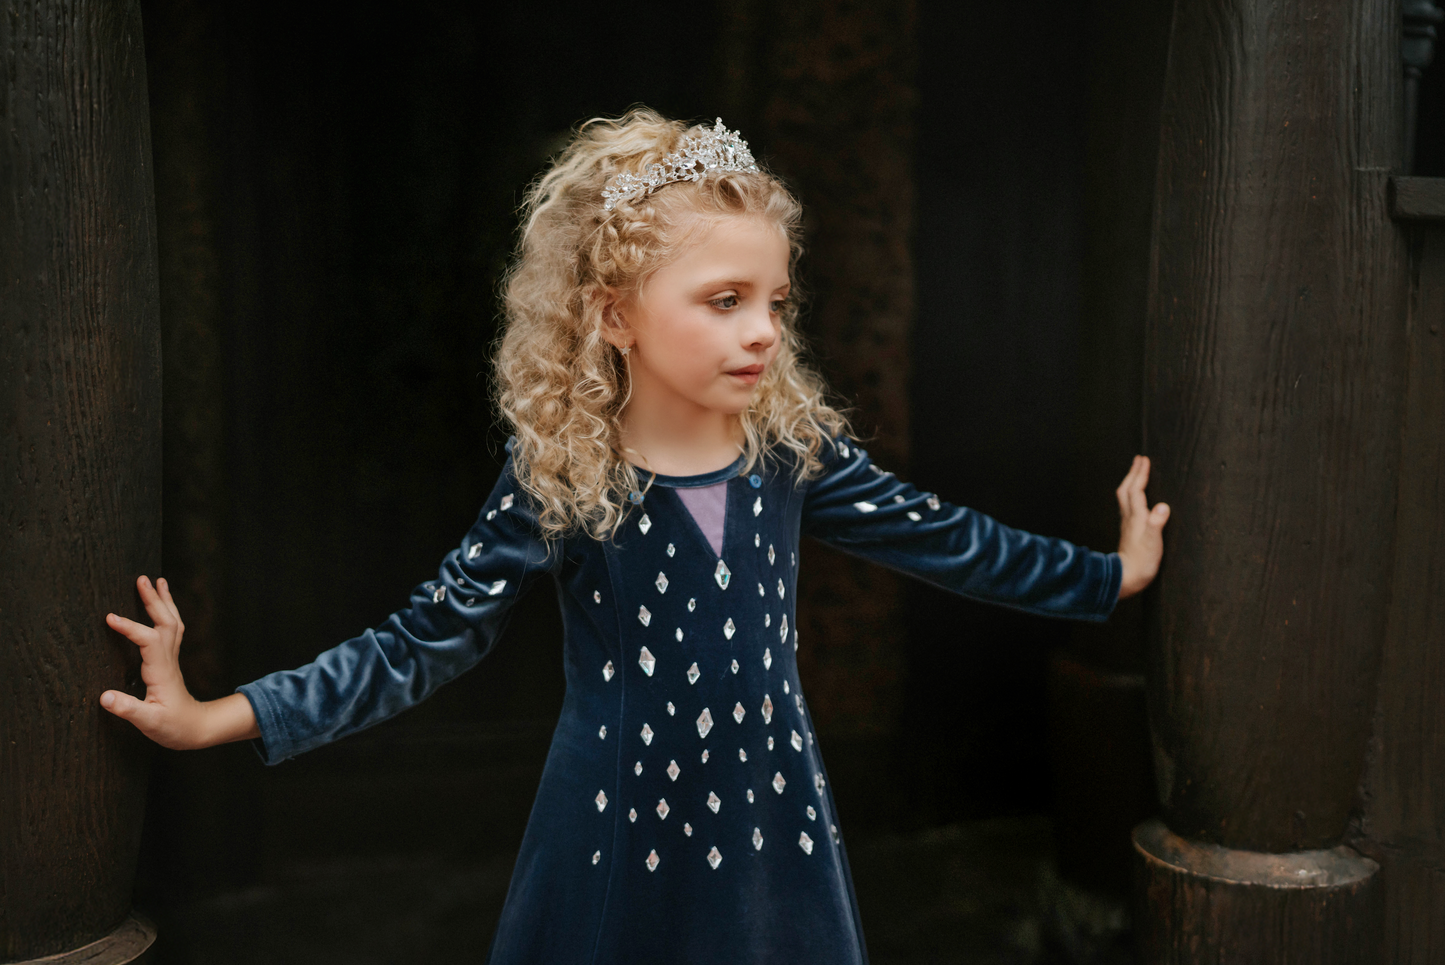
756	480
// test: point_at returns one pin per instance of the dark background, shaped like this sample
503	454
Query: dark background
336	188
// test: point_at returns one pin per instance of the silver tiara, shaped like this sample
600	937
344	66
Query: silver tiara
716	150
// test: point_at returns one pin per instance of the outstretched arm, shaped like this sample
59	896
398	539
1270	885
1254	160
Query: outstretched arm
169	715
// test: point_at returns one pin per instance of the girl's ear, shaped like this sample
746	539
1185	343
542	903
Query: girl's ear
614	321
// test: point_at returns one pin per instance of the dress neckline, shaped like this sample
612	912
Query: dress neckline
692	482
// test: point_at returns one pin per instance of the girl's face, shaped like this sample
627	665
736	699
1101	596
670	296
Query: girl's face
705	326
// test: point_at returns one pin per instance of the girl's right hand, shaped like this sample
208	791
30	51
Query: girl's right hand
169	715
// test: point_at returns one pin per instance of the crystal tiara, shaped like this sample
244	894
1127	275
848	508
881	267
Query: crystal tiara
716	150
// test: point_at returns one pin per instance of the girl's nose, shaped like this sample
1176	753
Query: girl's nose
759	332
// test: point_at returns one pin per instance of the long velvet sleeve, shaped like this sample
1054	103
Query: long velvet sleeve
865	511
451	623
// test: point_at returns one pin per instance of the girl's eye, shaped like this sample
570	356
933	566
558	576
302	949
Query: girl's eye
779	305
726	302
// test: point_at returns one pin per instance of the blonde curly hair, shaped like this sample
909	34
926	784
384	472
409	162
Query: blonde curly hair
561	386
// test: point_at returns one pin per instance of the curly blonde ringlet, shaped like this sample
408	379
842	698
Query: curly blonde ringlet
561	385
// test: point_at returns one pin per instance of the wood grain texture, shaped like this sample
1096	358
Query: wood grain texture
1273	382
79	465
1402	809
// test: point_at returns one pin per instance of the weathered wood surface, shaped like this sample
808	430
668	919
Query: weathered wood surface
1417	199
1402	808
1273	384
80	463
1205	903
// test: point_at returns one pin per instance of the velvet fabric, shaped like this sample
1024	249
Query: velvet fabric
684	814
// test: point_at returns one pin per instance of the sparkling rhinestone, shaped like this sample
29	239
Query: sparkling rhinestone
704	722
933	502
671	710
770	743
750	795
818	782
647	735
729	629
767	659
596	856
797	741
662	809
678	634
601	800
780	589
785	686
898	499
758	506
742	755
637	768
646	661
632	815
761	591
661	582
673	770
767	709
608	671
798	699
812	815
767	619
596	596
475	550
757	840
771	555
757	539
738	712
644	524
704	756
671	549
693	673
506	502
804	842
471	600
793	558
439	594
714	858
491	514
602	732
653	860
687	830
864	507
496	587
713	801
914	516
722	574
783	630
644	615
691	604
735	666
778	782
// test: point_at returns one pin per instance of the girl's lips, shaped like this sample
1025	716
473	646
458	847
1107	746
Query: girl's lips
748	370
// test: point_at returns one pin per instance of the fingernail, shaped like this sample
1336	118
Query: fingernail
106	699
161	581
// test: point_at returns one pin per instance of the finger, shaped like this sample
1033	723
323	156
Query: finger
165	594
1122	492
159	613
138	633
1159	515
127	707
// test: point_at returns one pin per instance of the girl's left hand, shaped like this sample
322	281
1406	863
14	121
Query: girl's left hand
1141	530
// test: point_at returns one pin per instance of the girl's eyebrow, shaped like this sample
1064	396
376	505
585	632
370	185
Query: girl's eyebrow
722	283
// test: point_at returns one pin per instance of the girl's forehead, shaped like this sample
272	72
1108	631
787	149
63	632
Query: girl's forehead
733	237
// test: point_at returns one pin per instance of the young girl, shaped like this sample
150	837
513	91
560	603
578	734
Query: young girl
670	449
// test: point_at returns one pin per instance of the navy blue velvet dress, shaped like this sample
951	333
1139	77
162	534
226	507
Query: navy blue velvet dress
684	814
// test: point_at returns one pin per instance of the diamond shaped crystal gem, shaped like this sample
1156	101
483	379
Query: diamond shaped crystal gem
767	619
644	524
780	589
770	743
491	514
678	634
673	770
439	594
767	709
647	661
914	516
812	815
662	809
798	699
704	722
899	499
833	830
757	506
804	842
704	756
771	555
637	768
735	666
596	856
750	795
864	507
506	502
757	539
933	503
729	629
714	858
843	451
646	735
722	574
778	782
818	782
742	755
602	732
653	860
757	840
738	712
767	659
785	686
661	582
693	673
601	800
691	604
687	830
496	587
632	815
783	630
474	550
671	549
608	671
596	596
761	591
644	615
713	801
797	741
671	710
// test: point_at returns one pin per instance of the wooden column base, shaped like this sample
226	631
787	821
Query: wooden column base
125	944
1198	903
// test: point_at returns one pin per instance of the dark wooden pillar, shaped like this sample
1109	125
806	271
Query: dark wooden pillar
1273	382
80	468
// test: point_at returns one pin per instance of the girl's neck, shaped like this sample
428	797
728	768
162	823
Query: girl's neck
674	443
